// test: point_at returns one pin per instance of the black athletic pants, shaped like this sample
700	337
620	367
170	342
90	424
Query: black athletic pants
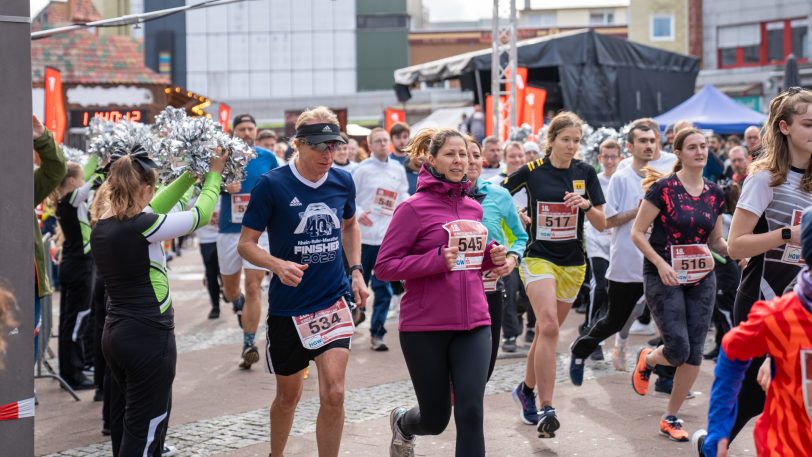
209	253
496	300
751	396
623	297
101	372
727	281
598	294
434	359
76	277
142	361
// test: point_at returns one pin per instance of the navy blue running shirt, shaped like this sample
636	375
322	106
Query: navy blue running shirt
303	220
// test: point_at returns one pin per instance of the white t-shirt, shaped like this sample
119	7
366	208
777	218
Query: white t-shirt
665	164
519	198
208	233
625	193
597	243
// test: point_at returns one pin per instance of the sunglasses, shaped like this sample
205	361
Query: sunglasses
323	147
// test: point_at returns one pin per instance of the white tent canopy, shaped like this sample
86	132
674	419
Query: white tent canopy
441	118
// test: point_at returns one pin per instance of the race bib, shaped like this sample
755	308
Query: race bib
384	202
239	203
471	238
792	253
489	281
215	218
691	262
556	222
325	326
806	380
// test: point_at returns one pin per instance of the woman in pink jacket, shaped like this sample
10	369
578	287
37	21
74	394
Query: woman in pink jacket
438	245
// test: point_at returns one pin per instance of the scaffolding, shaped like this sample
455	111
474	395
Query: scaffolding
503	65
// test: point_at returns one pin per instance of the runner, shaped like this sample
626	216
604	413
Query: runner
138	340
439	247
505	227
399	135
232	208
625	271
686	211
380	186
341	158
207	239
75	273
764	227
309	208
597	246
563	192
782	328
492	157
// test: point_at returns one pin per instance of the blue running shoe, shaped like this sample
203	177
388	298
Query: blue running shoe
576	370
548	423
527	405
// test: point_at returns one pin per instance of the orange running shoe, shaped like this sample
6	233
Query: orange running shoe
671	427
641	372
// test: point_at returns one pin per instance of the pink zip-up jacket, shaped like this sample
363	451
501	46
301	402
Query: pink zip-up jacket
412	250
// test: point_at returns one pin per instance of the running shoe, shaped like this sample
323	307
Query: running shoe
214	313
641	373
378	344
619	358
548	423
529	335
576	370
529	413
237	306
671	427
638	328
401	446
597	354
168	451
509	344
250	356
698	442
665	385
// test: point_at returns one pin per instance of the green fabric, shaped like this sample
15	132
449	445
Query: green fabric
166	198
46	178
90	166
208	198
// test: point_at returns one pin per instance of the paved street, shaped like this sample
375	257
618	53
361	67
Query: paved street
220	410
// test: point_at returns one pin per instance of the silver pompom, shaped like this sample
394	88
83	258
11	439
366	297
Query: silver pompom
74	155
593	141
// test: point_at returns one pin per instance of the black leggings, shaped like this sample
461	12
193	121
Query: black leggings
101	373
495	304
598	295
623	297
142	362
436	361
209	253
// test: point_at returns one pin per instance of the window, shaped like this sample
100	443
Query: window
383	21
800	42
775	41
662	28
601	17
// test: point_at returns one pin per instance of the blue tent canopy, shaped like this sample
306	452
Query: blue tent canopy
711	109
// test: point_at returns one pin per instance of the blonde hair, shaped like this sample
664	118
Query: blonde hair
7	321
775	157
74	170
653	175
125	181
609	143
101	203
561	121
429	141
317	115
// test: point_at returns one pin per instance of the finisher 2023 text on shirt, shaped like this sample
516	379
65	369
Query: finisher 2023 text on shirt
303	220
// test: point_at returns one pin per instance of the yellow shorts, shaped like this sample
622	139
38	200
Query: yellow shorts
568	280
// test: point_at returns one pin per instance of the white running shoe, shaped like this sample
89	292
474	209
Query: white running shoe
641	329
400	445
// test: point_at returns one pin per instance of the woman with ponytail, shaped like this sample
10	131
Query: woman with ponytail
138	341
680	287
437	244
765	230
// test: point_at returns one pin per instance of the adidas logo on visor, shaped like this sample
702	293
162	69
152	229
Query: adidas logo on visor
327	129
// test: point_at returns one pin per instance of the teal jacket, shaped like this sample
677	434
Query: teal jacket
501	217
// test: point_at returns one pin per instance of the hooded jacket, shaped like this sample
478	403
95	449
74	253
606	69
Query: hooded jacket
412	250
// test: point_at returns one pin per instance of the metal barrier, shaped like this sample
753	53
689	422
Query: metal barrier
47	317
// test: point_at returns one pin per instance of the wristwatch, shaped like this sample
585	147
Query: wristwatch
589	207
358	267
786	233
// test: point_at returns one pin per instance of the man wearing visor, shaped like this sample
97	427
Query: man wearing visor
233	204
308	211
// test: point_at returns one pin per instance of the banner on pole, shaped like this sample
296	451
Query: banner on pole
55	116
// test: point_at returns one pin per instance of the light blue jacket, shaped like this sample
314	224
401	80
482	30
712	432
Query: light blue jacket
501	217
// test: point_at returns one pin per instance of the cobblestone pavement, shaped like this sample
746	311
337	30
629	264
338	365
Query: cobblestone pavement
236	431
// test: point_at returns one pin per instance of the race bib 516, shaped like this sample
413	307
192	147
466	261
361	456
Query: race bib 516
691	262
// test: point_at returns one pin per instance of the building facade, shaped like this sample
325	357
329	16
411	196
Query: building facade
566	14
660	23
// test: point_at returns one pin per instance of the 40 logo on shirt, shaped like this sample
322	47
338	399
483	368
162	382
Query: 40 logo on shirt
470	239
